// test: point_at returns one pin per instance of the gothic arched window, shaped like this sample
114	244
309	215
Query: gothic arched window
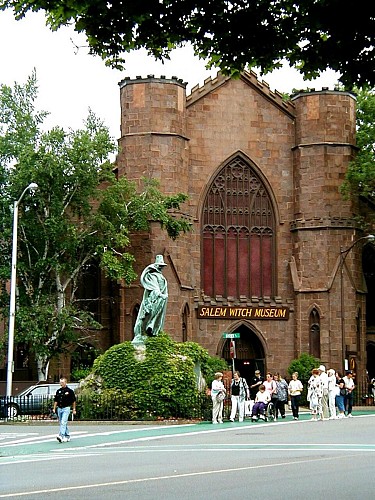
134	317
238	234
184	323
315	334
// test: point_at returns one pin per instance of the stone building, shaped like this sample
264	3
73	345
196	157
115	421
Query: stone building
275	257
267	258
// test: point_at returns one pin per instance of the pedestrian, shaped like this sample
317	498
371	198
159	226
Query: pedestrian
282	395
295	390
333	391
261	400
324	378
315	394
217	395
64	399
340	398
239	393
255	383
270	385
349	386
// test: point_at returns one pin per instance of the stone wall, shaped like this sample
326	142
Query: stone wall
300	149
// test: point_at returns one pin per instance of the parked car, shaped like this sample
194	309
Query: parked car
35	400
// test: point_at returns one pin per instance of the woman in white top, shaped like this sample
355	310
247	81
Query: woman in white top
295	390
261	400
217	387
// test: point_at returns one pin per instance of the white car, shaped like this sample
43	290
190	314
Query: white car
35	400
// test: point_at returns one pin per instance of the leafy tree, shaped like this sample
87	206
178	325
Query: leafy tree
360	178
230	34
79	214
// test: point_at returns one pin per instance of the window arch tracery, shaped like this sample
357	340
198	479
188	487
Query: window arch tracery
238	234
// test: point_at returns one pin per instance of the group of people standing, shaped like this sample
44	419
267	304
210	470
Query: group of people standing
260	392
326	391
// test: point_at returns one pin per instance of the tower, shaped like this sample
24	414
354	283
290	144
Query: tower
324	224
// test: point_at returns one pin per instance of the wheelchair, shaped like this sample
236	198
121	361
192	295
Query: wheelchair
269	414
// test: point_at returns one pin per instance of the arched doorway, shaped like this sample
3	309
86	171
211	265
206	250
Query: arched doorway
250	355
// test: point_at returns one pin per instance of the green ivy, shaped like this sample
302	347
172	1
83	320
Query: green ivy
161	385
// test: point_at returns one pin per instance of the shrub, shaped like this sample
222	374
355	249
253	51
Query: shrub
79	374
163	384
303	365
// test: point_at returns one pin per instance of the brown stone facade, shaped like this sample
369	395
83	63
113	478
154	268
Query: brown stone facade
298	152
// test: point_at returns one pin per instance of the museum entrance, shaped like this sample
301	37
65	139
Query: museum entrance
250	354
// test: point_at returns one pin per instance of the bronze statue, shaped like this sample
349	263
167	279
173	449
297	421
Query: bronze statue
151	315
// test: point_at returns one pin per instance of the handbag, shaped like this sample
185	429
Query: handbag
220	396
343	392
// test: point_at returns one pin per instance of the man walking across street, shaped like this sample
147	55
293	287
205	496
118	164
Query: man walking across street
64	399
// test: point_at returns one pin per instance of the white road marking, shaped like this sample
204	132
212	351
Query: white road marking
163	478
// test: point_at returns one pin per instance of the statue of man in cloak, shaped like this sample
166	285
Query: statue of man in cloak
151	315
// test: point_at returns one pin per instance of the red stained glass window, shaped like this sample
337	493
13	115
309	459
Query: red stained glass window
238	234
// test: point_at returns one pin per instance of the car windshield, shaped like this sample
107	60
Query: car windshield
35	391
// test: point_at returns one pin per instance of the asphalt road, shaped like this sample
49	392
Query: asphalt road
286	459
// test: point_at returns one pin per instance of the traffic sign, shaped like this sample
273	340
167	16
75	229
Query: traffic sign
231	335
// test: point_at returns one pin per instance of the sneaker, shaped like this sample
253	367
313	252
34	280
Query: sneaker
231	419
215	422
67	439
220	421
64	440
295	418
59	439
350	415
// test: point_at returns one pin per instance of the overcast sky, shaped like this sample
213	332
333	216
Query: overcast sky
72	81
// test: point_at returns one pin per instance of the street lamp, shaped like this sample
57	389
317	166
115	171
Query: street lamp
343	254
13	278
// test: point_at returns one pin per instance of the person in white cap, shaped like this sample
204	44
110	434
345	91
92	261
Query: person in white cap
151	315
324	378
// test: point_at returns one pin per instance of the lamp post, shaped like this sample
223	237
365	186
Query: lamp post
343	254
13	278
